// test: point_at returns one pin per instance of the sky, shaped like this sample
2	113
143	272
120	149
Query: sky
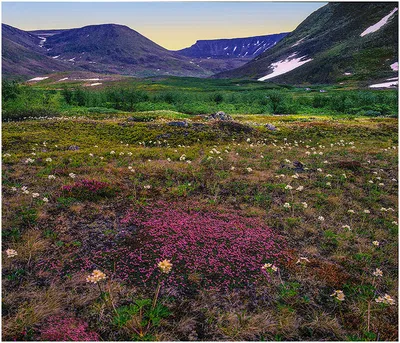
173	25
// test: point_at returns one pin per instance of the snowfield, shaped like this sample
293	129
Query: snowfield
38	78
282	67
395	66
379	24
385	84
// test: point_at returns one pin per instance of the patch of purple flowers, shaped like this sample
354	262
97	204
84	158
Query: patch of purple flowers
88	189
67	329
219	250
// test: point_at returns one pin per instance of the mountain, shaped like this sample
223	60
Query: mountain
117	49
249	47
24	56
108	48
340	42
112	48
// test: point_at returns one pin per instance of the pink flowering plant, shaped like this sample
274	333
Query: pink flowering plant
88	190
218	250
60	328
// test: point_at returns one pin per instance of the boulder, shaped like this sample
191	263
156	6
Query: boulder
178	123
219	116
270	127
73	147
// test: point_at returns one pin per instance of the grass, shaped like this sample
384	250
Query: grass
238	171
189	96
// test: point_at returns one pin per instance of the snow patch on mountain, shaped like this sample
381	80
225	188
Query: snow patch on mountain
284	66
379	24
395	66
43	40
38	78
385	84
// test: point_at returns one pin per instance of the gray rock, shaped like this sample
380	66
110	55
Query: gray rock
73	147
270	127
219	116
178	123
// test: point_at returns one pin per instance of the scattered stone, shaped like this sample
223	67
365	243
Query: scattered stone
73	147
142	119
298	166
164	136
178	123
219	116
270	127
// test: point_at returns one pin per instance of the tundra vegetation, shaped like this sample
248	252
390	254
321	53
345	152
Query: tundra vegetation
129	215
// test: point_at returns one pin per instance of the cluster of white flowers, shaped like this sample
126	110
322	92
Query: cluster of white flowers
11	253
339	295
386	299
165	266
302	260
383	209
96	276
269	266
377	272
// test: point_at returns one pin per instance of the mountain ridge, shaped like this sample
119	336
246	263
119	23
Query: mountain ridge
331	43
232	47
105	48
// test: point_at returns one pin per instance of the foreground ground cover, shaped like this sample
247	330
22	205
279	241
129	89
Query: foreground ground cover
280	235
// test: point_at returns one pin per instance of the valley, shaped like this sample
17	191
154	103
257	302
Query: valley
241	189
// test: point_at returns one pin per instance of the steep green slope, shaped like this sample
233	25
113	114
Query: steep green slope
331	39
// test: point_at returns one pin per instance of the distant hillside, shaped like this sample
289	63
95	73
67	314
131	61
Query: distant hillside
249	47
117	49
338	43
24	56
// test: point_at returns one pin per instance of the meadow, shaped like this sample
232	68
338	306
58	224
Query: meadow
145	220
57	97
